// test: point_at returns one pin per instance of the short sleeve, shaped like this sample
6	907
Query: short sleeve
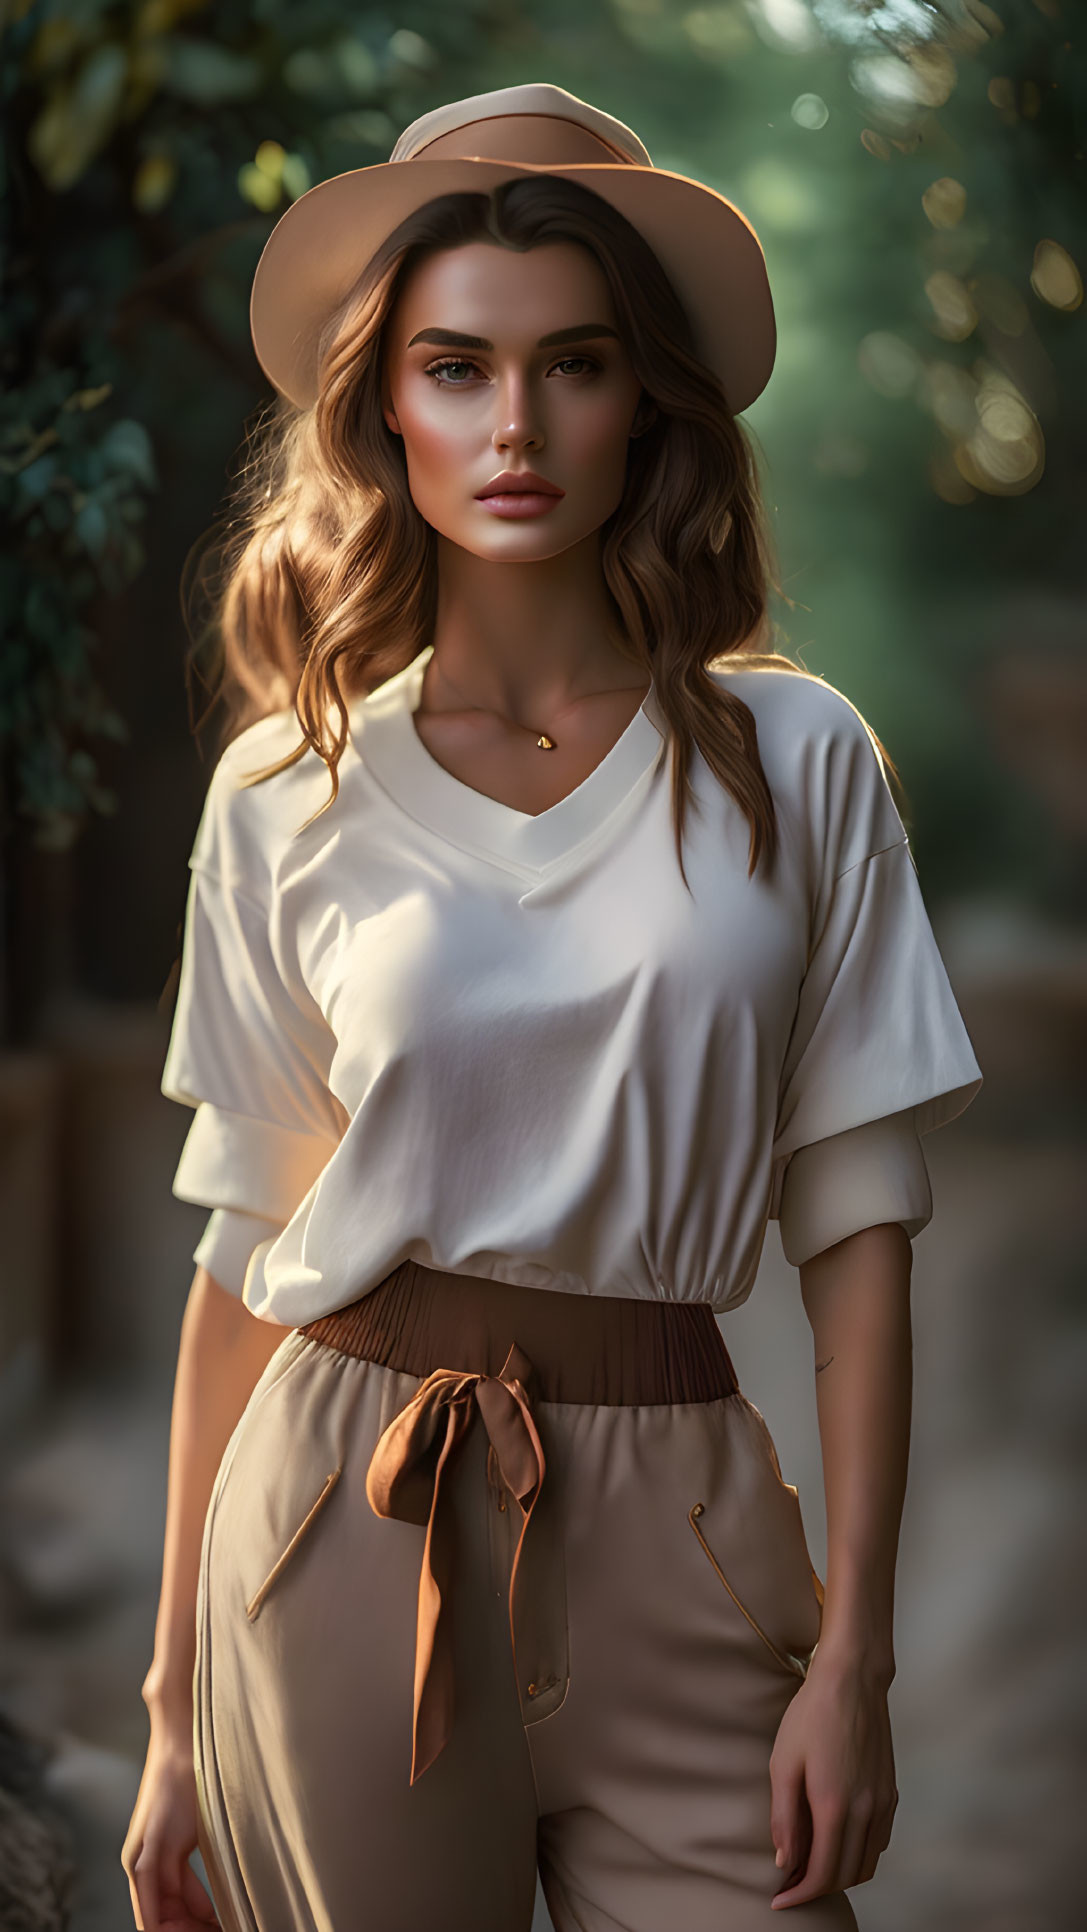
878	1055
248	1050
869	1174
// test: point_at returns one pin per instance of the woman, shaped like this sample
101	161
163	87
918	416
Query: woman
603	947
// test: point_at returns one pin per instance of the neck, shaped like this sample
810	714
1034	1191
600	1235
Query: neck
526	639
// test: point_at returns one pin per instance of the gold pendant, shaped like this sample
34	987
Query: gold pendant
545	743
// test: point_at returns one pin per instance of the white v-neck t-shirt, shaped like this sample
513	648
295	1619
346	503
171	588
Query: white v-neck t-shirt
428	1026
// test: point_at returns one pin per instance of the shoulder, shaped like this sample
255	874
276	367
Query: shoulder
820	757
247	821
793	703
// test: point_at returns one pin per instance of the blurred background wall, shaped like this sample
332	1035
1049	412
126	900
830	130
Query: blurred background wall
915	174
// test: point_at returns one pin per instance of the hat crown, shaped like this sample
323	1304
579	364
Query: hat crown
555	124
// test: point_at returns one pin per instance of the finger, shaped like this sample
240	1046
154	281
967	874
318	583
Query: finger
130	1851
145	1881
194	1896
854	1837
876	1843
828	1825
171	1888
786	1804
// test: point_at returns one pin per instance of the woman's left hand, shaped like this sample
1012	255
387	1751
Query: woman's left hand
833	1781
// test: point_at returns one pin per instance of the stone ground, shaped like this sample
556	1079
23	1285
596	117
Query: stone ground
988	1703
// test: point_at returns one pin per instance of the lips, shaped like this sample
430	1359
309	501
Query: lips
521	483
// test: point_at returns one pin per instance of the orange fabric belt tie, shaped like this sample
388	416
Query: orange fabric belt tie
404	1481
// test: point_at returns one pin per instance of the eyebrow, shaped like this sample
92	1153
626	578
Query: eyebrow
454	339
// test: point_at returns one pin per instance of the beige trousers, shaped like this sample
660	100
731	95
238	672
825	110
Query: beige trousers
611	1728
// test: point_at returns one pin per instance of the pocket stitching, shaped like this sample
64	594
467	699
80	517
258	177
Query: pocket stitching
792	1664
256	1601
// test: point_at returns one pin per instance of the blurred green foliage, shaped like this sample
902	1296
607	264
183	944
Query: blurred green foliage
914	172
142	142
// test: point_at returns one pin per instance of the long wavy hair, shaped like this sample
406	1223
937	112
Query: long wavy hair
325	581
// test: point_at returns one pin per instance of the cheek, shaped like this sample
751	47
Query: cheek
434	442
431	454
597	437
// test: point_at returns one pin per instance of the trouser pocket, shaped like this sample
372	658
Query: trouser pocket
749	1526
256	1600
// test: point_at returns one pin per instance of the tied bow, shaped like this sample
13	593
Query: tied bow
404	1480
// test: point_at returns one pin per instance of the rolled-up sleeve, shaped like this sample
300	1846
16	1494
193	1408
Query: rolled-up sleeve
249	1053
228	1243
869	1174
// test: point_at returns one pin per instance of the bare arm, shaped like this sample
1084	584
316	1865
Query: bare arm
222	1353
857	1299
833	1765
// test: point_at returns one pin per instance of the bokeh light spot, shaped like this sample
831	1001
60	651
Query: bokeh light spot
720	32
784	23
154	182
950	396
922	76
955	316
1004	416
1004	454
269	158
1055	277
944	202
258	187
810	110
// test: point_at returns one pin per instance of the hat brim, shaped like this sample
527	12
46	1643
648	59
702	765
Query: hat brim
320	246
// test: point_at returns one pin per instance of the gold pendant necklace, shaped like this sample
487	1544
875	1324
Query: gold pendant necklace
543	742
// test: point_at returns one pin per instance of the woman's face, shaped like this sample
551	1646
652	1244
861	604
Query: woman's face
498	360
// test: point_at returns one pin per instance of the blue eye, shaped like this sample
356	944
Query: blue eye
452	363
434	369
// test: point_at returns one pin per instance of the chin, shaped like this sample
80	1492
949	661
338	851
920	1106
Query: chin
528	540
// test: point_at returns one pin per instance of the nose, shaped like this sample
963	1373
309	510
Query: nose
517	423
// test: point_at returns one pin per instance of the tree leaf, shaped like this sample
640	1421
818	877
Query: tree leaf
32	483
92	528
127	446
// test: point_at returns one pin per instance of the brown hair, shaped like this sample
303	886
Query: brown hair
329	578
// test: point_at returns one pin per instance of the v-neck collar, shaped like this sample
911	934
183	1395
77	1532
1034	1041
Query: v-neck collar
391	748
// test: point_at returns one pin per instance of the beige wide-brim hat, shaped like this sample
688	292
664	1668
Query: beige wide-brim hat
710	252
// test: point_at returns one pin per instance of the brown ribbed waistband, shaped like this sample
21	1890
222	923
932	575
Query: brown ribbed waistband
602	1349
